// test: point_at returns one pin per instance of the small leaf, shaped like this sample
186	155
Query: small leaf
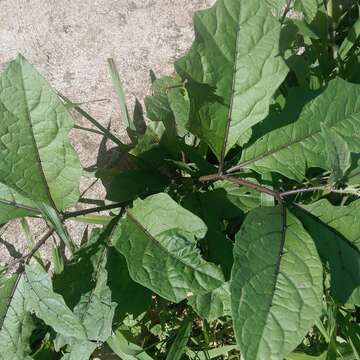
214	304
38	160
338	154
49	306
276	285
178	347
158	239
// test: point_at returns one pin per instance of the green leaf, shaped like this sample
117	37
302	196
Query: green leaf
212	353
49	306
118	86
178	347
334	230
14	205
235	65
125	348
350	39
95	309
292	149
276	286
16	325
38	159
81	350
158	239
170	104
214	304
338	154
308	8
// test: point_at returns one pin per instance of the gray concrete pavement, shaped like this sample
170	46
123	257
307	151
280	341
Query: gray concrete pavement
69	41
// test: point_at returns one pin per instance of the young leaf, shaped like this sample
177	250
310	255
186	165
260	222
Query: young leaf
117	83
158	239
178	347
335	232
338	154
16	324
214	304
235	60
292	149
38	160
49	306
350	39
276	284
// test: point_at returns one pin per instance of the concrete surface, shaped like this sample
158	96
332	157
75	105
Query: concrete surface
68	41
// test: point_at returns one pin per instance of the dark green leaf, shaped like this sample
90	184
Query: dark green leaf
276	286
178	347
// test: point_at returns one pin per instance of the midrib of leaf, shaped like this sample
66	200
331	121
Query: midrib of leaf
159	245
278	263
37	154
229	117
19	206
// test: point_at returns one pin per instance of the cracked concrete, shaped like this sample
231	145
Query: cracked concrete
69	41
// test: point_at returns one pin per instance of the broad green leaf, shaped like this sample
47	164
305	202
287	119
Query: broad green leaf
16	325
49	306
178	347
158	239
14	205
335	232
125	348
308	8
338	154
276	286
350	39
292	149
38	160
233	68
214	304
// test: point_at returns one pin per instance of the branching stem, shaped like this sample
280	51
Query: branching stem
72	214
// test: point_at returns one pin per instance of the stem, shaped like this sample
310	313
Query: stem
88	117
302	190
242	182
34	250
286	11
72	214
